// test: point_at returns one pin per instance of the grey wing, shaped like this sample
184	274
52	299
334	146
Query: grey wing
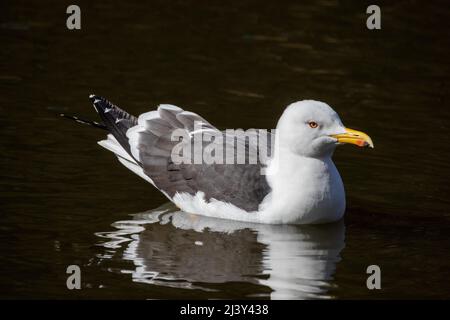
242	185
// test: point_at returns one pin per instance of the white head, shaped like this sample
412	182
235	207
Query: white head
313	129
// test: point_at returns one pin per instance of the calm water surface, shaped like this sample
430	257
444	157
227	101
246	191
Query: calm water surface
66	201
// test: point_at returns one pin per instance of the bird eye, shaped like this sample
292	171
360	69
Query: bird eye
313	124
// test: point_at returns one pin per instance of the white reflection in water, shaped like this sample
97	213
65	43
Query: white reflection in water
175	249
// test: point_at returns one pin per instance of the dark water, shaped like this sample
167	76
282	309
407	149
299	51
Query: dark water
66	201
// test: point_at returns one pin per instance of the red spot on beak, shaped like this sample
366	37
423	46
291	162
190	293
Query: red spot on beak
361	143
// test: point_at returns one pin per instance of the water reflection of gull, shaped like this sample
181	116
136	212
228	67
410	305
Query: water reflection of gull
176	249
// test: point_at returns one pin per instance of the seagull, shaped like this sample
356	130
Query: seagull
300	184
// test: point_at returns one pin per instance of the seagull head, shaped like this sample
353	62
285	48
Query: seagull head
313	129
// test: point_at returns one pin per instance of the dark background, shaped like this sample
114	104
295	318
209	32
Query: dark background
238	64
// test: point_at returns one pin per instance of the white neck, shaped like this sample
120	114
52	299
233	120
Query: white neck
304	189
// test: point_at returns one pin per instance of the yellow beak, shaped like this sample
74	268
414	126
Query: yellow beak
354	137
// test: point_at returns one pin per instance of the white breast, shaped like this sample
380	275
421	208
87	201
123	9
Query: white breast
304	190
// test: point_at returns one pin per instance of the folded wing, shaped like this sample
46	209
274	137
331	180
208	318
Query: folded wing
146	144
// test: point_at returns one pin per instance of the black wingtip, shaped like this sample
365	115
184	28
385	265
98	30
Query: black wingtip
94	98
84	121
96	102
116	120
